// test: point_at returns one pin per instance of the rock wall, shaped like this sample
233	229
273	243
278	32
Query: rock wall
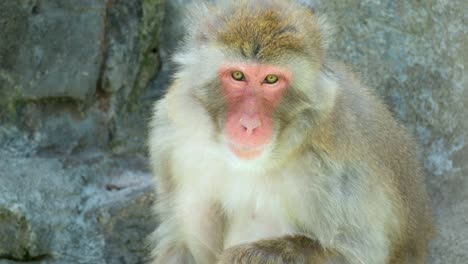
75	66
74	184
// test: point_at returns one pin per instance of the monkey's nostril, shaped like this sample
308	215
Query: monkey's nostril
249	123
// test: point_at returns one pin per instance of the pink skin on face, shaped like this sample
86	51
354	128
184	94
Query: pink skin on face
250	106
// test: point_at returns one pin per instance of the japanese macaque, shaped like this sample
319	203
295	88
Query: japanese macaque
267	151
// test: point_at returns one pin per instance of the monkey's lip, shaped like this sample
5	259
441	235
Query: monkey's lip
246	151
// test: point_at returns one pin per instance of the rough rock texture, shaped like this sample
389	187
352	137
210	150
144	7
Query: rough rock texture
88	208
71	74
51	48
75	67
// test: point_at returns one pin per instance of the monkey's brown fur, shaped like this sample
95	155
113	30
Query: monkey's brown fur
257	30
359	192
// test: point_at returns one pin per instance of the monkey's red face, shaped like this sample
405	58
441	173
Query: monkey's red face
251	93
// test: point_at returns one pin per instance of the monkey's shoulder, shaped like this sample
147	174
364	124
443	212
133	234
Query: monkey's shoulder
363	124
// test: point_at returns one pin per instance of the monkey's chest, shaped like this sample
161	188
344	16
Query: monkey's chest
253	225
254	211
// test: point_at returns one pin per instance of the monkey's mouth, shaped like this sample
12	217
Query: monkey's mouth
246	151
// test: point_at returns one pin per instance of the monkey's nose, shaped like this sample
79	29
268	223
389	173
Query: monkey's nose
250	123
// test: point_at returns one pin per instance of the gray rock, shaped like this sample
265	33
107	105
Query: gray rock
64	126
17	239
69	71
173	29
76	210
133	54
126	220
133	40
38	188
50	48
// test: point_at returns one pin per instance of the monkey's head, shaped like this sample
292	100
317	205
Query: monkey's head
256	67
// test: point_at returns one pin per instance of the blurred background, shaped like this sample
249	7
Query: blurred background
78	78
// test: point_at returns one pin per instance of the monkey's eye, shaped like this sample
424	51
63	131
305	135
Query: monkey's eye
238	76
271	79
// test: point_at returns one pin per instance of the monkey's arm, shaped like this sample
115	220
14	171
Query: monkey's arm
170	247
296	249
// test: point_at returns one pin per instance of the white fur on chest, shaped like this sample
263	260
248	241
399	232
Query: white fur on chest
254	209
249	198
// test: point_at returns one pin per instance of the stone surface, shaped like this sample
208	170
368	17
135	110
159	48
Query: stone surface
74	185
88	208
50	48
173	29
133	59
133	28
69	71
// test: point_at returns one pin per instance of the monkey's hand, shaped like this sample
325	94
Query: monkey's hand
284	250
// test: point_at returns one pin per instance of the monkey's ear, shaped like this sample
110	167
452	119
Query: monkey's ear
311	9
326	30
308	5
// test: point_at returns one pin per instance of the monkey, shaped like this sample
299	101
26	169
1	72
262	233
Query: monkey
266	150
